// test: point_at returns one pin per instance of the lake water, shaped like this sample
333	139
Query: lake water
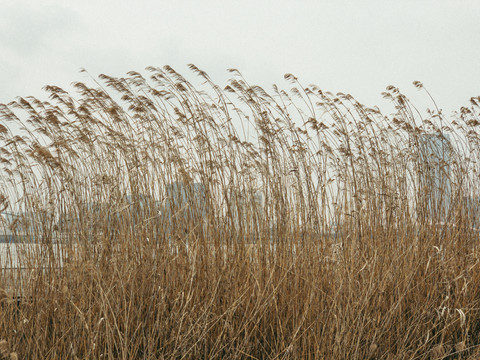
11	253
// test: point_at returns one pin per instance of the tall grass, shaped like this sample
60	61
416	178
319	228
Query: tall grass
325	228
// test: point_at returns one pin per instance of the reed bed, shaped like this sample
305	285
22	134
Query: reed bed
175	219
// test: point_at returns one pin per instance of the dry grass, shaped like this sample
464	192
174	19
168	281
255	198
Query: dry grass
363	244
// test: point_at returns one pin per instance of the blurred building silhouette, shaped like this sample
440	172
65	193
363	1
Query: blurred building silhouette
245	213
188	201
470	212
184	208
434	179
24	226
245	207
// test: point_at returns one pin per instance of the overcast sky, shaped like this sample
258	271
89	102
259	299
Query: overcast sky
356	47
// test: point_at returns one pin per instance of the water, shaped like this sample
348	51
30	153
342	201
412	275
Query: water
11	255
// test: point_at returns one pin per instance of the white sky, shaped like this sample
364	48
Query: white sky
357	47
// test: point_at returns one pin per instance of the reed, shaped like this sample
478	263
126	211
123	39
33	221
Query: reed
164	218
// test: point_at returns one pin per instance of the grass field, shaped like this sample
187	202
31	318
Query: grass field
181	221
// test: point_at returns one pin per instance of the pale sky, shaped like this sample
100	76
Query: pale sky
357	47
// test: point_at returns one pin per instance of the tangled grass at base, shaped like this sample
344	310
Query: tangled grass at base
174	221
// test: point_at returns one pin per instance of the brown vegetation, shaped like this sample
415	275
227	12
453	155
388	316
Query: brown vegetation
363	244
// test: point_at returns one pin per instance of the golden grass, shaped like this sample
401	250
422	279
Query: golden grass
363	244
